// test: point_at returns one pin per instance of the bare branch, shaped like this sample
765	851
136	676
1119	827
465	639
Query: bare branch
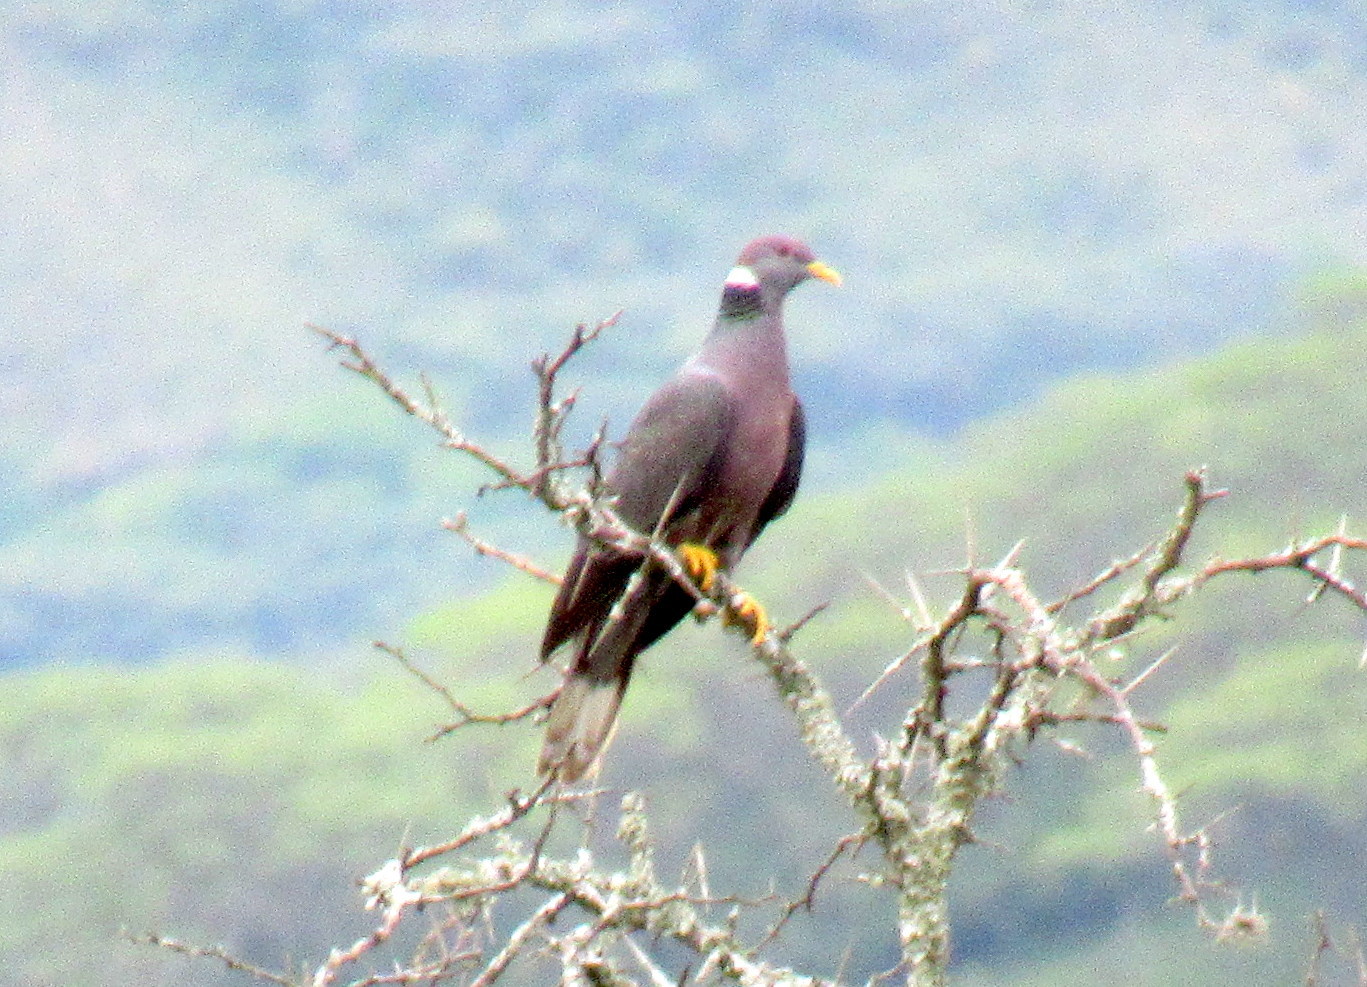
1323	946
786	634
466	716
551	414
1300	557
933	643
1143	599
460	524
495	968
1026	682
1109	574
430	413
517	807
395	906
806	902
211	953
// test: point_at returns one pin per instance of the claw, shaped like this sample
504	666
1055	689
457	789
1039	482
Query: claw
749	612
703	565
701	562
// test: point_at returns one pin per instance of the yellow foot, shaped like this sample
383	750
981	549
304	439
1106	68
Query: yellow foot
701	562
746	611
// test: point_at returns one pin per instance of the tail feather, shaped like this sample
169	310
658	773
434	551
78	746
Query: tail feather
584	715
582	722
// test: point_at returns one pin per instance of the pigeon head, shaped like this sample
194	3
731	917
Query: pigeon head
774	265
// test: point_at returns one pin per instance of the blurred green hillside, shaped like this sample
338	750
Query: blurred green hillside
1017	193
228	800
1087	247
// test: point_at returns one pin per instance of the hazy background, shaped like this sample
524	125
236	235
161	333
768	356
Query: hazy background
203	521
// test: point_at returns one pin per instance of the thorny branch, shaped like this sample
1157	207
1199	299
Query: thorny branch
1145	598
211	953
552	413
460	524
1045	652
465	716
428	411
591	515
915	796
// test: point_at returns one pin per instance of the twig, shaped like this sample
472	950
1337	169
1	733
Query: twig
407	665
518	938
1142	600
1050	718
460	524
786	635
809	898
550	414
1324	945
1298	557
933	642
1151	778
430	413
212	953
517	807
1111	572
466	716
393	914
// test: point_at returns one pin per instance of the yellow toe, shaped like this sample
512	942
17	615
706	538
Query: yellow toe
749	612
702	564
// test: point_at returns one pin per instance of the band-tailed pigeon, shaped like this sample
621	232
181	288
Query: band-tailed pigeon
713	457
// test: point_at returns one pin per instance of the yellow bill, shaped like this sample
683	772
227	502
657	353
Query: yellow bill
825	272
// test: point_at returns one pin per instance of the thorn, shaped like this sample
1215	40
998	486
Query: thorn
1009	559
1068	747
1139	679
887	596
927	620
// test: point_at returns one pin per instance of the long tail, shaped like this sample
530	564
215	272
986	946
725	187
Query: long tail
584	715
582	722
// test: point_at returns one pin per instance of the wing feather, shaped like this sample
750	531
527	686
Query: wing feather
662	473
785	487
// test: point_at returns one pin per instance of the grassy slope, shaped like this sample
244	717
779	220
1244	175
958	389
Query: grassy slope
207	797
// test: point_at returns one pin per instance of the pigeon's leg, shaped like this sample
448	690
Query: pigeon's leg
744	610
